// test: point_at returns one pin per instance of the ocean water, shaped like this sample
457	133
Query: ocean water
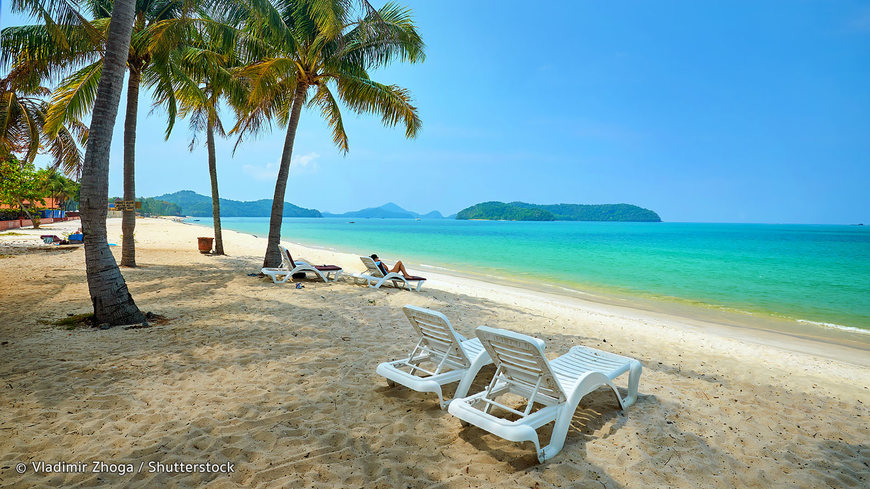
816	274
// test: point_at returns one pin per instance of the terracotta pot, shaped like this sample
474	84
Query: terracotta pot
205	244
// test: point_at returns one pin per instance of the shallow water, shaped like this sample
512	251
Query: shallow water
812	273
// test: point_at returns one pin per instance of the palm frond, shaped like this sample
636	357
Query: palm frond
55	13
330	111
74	97
32	52
391	102
377	41
66	153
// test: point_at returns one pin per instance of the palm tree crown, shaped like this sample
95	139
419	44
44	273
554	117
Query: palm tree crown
320	46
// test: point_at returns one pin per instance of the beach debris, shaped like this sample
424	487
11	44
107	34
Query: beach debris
145	324
104	326
72	321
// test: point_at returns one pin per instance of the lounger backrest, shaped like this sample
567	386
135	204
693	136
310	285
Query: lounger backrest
371	266
520	358
437	334
286	259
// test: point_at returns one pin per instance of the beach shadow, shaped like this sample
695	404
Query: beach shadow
596	410
268	378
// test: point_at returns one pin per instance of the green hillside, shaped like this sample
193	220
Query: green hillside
194	204
155	207
499	211
521	211
596	212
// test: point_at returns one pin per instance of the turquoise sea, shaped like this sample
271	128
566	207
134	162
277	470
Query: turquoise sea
816	274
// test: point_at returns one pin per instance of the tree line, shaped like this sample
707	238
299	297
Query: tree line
522	211
261	60
24	189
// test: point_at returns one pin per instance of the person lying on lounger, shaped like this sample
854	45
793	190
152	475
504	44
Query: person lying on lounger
398	267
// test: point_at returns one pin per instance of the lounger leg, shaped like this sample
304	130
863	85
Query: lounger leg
587	384
633	382
276	281
465	384
419	284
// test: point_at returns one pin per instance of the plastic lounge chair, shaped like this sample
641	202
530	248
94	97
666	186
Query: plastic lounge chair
290	267
442	356
374	277
557	386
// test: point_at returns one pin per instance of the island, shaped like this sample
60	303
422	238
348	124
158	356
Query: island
387	211
521	211
189	203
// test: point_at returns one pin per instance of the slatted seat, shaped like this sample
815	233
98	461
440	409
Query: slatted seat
552	390
375	277
289	266
442	356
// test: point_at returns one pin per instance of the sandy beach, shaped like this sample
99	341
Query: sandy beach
281	383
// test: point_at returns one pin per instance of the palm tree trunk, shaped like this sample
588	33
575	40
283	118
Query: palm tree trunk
112	302
128	217
215	197
273	254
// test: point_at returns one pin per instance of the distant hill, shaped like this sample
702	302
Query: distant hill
499	211
194	204
387	211
521	211
156	207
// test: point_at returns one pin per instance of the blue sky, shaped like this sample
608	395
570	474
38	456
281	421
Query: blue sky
702	111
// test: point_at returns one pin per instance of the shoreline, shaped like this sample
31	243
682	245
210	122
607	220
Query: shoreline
836	343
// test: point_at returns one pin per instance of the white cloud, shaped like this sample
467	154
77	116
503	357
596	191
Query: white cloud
306	163
268	172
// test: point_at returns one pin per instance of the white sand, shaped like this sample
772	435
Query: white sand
281	382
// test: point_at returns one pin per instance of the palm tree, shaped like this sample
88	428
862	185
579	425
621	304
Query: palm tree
22	127
59	188
316	46
75	95
59	39
202	78
112	302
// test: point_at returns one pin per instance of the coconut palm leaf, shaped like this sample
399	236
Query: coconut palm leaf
330	111
391	102
74	98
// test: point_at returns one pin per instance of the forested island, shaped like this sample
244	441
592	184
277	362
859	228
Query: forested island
521	211
189	203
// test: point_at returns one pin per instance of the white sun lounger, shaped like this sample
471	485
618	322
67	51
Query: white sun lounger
374	277
558	386
289	267
442	356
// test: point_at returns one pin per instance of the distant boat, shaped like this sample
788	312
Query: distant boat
417	219
351	222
